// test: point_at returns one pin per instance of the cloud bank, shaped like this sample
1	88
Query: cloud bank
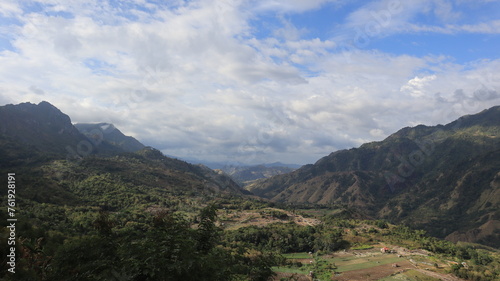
200	79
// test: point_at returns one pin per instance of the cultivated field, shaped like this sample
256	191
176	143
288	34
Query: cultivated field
364	265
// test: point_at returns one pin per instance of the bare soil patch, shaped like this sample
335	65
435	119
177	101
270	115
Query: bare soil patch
299	277
443	277
256	218
374	273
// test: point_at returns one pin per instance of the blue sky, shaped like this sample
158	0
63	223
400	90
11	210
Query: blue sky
253	80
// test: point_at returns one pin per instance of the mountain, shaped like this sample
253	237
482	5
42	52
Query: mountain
245	175
47	129
445	179
93	211
109	133
41	142
279	164
227	165
42	126
211	164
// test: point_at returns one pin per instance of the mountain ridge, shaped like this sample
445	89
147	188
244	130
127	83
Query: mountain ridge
442	178
43	126
444	165
99	132
41	140
245	175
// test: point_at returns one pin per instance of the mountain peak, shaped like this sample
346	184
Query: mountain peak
47	104
41	106
46	127
41	125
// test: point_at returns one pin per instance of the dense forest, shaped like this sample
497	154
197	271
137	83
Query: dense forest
102	245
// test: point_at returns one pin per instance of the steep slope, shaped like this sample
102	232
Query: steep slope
127	180
58	162
441	178
42	126
104	132
50	131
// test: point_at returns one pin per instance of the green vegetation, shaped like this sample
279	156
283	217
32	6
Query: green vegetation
143	216
163	247
439	178
160	243
288	238
482	264
362	247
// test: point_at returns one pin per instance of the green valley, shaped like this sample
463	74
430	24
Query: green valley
93	206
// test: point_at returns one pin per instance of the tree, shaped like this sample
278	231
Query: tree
208	232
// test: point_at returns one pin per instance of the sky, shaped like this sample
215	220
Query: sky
253	81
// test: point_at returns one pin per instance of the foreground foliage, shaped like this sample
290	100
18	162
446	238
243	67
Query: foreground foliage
166	247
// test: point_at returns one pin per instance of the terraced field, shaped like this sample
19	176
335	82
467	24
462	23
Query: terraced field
361	265
410	275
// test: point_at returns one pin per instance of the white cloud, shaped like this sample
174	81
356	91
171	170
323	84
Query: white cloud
444	11
378	19
295	6
377	133
10	8
490	27
416	86
193	80
382	18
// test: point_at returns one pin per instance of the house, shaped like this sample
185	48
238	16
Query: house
385	250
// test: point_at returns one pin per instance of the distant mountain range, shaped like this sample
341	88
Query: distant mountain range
245	175
235	164
445	179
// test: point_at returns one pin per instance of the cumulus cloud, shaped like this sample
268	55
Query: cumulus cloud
10	8
193	78
416	86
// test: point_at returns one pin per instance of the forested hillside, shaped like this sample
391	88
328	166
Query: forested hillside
443	178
